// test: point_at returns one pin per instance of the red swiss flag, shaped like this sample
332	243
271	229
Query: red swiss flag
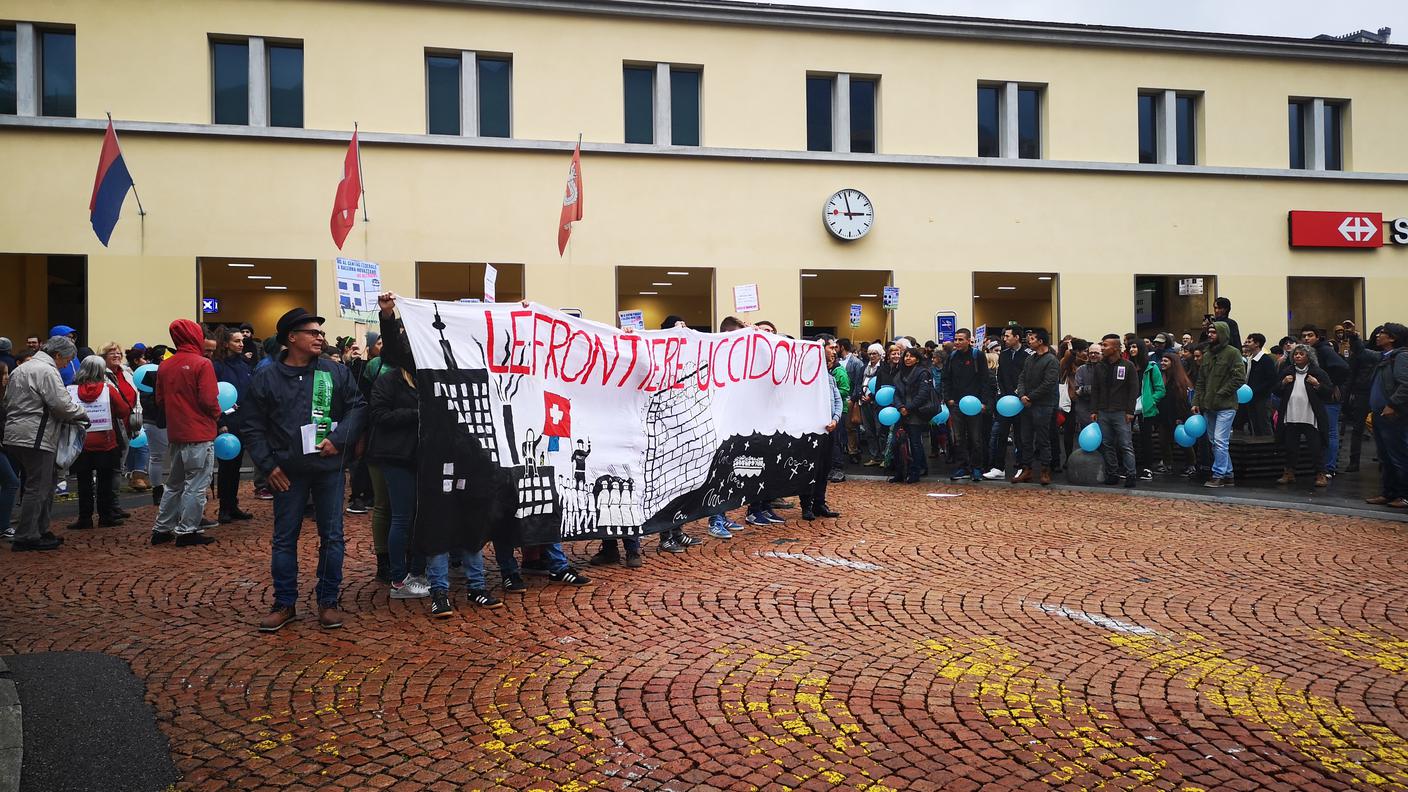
557	415
571	200
344	203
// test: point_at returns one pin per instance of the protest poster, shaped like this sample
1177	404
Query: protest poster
745	298
564	428
358	284
634	320
491	279
891	299
855	315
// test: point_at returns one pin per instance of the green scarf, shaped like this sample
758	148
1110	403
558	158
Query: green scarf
322	406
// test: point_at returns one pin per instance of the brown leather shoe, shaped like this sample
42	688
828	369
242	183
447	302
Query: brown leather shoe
1023	476
1398	503
1377	501
276	619
1045	477
1321	480
1288	476
140	482
331	618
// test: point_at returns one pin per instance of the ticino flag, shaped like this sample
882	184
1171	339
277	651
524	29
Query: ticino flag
344	203
571	200
110	187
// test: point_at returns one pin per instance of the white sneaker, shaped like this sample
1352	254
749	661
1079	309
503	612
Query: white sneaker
994	474
412	587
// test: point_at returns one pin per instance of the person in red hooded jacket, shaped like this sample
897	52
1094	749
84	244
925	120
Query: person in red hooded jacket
107	408
187	391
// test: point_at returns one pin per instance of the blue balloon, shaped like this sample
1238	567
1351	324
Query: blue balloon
227	396
1090	438
1009	406
1196	426
1180	436
889	416
885	396
941	418
870	385
140	440
1244	394
227	447
141	374
970	405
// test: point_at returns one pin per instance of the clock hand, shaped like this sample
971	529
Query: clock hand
847	199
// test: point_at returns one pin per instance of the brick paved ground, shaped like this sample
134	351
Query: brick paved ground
1005	638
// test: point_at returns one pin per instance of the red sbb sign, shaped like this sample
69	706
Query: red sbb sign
1337	229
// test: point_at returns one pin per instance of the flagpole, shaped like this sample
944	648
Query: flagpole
361	176
140	211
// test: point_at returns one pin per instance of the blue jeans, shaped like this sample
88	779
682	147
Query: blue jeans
327	490
1332	451
1117	443
401	491
437	569
137	458
9	490
1391	437
1220	434
997	441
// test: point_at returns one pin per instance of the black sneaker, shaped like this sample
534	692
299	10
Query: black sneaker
569	576
193	539
483	599
206	522
668	545
161	537
440	604
514	583
685	540
1146	475
538	568
356	506
634	561
40	544
605	558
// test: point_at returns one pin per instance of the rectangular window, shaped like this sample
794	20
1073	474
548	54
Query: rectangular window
57	95
495	106
442	94
1148	129
989	124
862	116
1334	139
9	67
230	68
1029	123
819	90
1184	125
640	104
684	107
1297	117
285	85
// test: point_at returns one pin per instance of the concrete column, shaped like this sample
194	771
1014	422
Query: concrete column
26	70
664	130
469	94
841	114
258	83
1315	134
1166	113
1007	121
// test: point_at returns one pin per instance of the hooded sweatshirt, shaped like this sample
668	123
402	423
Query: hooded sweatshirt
186	388
99	441
1220	375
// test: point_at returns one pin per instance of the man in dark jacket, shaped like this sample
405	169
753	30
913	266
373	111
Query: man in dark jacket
1220	374
1261	376
966	374
1009	368
187	392
1388	399
304	414
1036	387
1114	391
1338	369
1362	361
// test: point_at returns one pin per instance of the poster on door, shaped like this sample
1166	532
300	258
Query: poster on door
358	284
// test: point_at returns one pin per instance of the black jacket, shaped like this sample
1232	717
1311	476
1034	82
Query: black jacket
914	390
966	374
1319	397
237	371
1109	393
395	421
1392	373
1038	379
280	402
1009	369
1261	377
1329	359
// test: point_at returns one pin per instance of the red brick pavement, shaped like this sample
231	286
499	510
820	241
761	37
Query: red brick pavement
1002	639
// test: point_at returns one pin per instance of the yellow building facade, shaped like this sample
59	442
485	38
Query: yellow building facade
1083	227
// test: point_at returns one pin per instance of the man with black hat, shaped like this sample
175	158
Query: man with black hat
304	414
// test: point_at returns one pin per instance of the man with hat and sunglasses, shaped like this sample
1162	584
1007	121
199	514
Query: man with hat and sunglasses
303	415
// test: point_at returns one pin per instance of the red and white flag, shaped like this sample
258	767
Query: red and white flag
557	415
571	200
344	203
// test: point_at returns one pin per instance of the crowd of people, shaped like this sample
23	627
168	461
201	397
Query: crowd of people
330	428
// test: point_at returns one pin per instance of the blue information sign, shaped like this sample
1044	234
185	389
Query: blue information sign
947	327
210	305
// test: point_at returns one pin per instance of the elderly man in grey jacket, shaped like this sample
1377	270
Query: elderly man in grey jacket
37	404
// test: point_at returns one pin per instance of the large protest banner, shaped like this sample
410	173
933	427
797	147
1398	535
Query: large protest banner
583	431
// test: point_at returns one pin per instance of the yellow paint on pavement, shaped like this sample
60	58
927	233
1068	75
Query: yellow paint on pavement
1385	651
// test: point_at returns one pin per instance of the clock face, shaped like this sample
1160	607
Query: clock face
848	214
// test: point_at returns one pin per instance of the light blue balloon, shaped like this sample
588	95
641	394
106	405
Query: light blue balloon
1180	436
941	418
1196	426
227	447
140	440
1090	438
141	374
885	396
1244	394
1009	406
970	405
889	416
227	396
870	385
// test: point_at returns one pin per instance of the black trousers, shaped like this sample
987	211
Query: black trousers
103	464
969	438
817	494
227	483
1293	433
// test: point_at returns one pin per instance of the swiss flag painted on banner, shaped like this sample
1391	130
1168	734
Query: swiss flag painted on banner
344	203
557	415
571	200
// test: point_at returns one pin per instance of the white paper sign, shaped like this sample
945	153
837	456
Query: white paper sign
491	278
358	284
632	319
745	298
99	410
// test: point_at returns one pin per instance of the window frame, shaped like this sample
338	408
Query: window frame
214	91
628	92
1009	118
40	60
458	59
271	44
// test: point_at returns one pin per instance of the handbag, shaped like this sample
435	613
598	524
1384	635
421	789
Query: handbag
69	445
1065	397
855	419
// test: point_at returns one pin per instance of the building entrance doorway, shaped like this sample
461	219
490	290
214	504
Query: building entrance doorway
40	292
258	291
1174	304
661	292
451	281
1325	303
828	297
1003	299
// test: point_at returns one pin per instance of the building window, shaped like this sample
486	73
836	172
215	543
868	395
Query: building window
862	116
684	106
662	104
9	69
286	85
230	67
841	113
1168	127
1009	120
1317	133
460	81
819	90
442	94
495	92
56	74
640	104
